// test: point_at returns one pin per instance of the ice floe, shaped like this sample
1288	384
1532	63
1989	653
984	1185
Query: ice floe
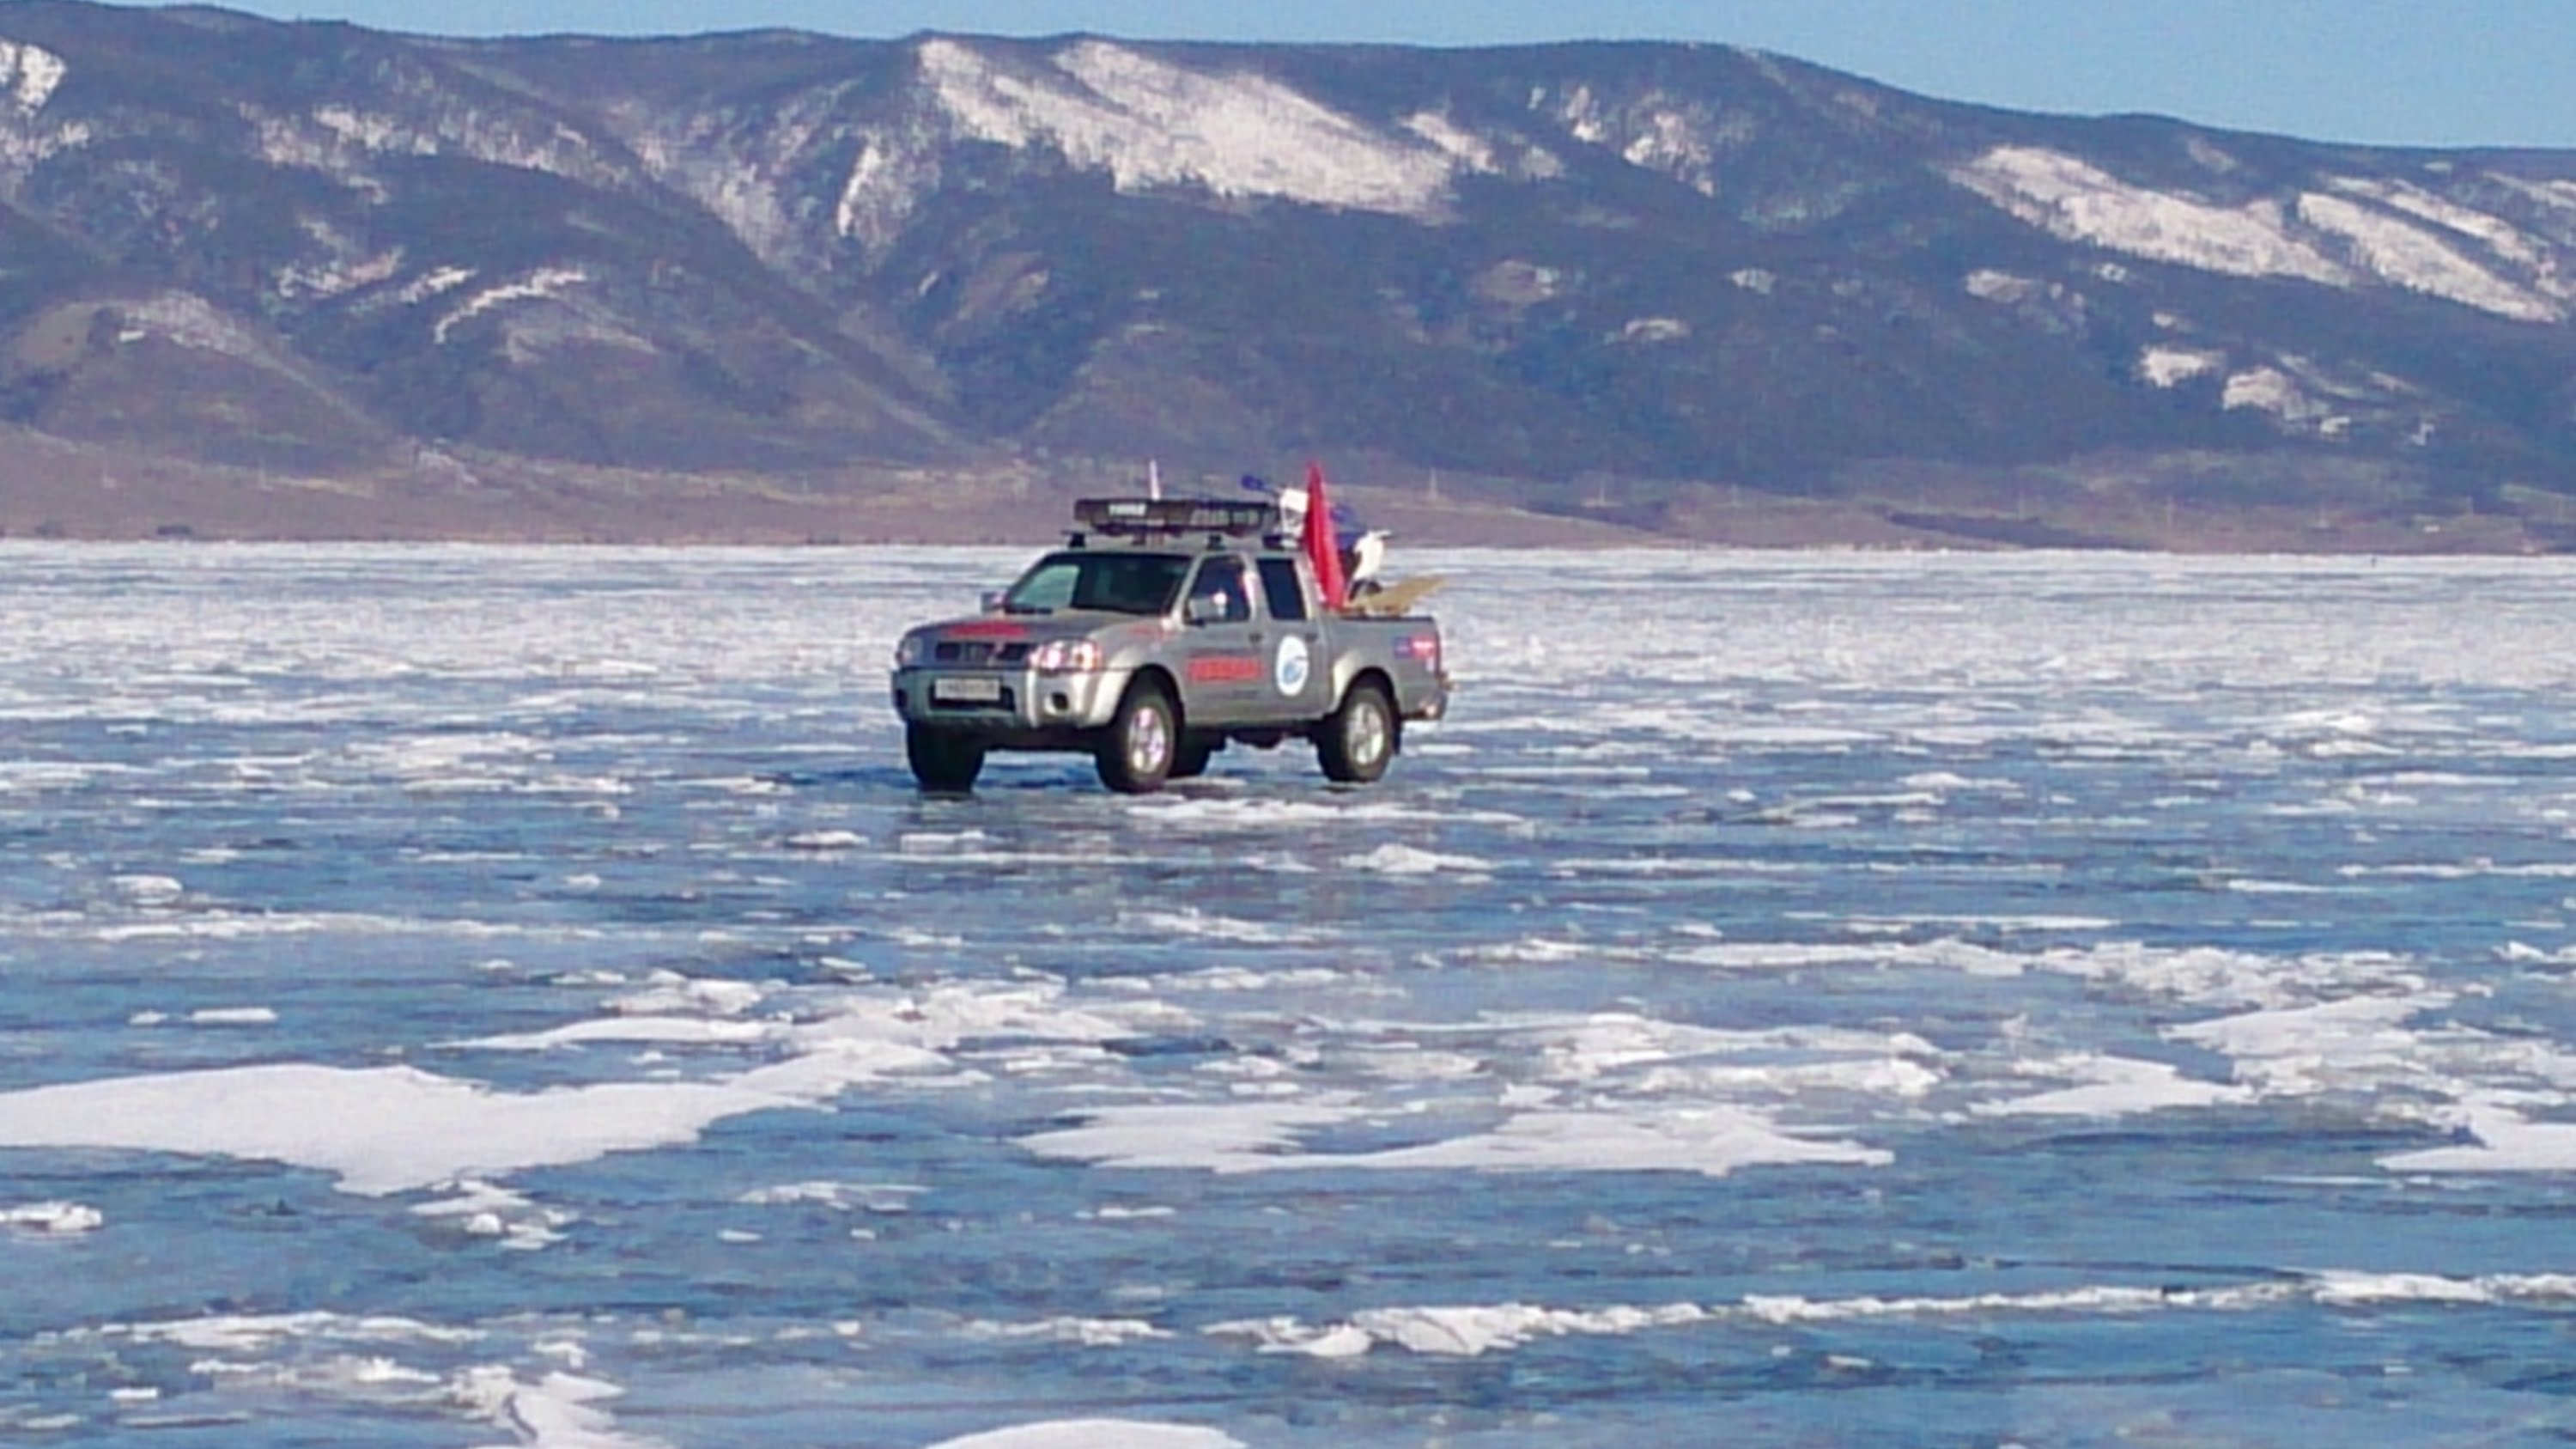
1473	1331
1095	1434
53	1219
392	1129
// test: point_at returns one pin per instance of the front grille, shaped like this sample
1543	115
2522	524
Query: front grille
977	651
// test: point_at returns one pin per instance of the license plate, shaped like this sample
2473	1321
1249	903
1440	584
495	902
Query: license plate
966	691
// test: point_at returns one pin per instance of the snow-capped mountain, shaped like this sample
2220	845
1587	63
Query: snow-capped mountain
320	250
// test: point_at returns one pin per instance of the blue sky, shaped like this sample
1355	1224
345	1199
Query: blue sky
2424	72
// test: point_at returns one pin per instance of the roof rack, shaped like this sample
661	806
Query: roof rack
1172	517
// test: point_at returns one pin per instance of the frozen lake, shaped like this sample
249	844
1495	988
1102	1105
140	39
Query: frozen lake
460	997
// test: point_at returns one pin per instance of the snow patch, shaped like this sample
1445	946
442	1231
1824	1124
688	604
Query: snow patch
1151	124
1485	155
30	74
885	184
544	284
339	275
2412	258
2560	195
432	284
191	321
2078	201
2498	235
337	139
2052	305
1682	139
2075	200
2171	367
1655	329
2270	390
1988	285
1461	145
750	166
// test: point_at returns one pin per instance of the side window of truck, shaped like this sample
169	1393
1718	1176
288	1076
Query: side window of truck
1219	594
1286	594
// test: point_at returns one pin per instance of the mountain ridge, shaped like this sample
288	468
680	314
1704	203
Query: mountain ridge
1601	283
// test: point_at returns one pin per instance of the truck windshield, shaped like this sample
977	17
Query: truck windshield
1111	583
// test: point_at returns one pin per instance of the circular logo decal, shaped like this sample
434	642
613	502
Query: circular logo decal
1293	667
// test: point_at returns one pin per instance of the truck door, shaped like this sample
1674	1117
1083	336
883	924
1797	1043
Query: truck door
1223	664
1292	646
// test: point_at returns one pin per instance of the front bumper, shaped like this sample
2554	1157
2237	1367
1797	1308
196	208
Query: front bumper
1007	701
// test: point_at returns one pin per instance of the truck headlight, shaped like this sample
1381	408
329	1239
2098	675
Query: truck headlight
1067	656
911	651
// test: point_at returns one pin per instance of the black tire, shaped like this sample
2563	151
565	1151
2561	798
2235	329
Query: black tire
944	761
1361	738
1143	742
1191	760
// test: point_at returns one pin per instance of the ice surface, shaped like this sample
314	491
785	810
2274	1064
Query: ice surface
440	983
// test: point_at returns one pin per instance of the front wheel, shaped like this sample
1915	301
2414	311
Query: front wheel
1191	760
942	760
1359	741
1143	740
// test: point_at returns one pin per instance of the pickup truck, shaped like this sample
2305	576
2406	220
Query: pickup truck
1164	631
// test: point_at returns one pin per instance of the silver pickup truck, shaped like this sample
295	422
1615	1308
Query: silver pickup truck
1165	630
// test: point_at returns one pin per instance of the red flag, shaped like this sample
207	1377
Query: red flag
1321	551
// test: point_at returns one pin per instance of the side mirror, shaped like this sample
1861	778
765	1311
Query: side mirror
993	601
1204	610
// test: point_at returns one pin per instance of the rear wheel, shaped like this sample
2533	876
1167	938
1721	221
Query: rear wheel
1359	741
943	760
1143	741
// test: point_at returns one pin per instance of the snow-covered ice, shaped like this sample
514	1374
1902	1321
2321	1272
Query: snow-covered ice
468	995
